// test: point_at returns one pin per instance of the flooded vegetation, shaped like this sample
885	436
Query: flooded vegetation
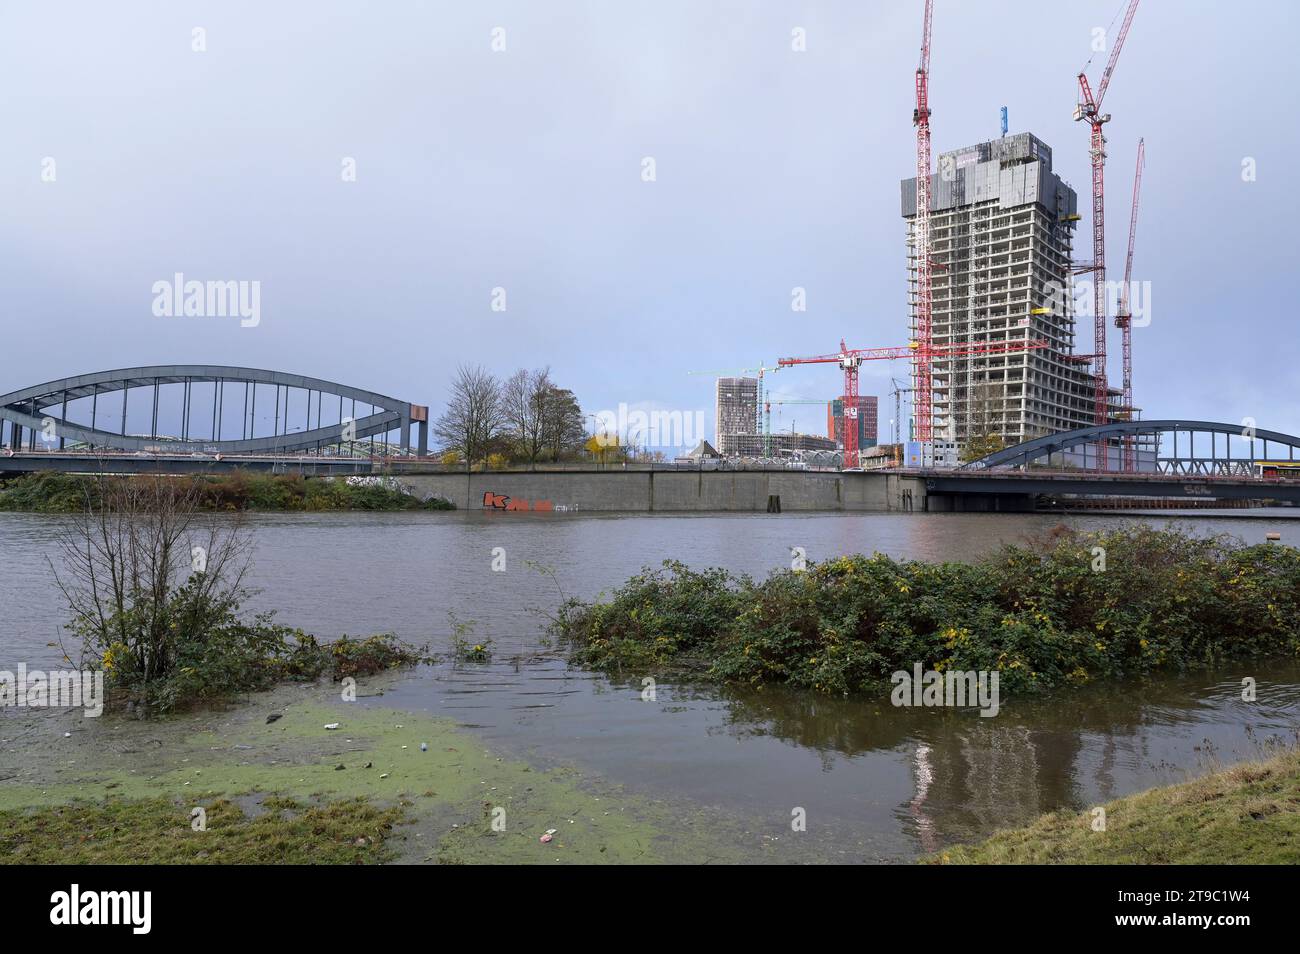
687	768
1077	607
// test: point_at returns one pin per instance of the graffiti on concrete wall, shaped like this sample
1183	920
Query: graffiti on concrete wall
493	501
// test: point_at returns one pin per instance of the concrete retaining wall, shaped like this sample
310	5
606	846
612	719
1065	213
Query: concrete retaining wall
672	491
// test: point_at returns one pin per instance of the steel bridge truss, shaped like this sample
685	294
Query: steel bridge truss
40	413
1173	447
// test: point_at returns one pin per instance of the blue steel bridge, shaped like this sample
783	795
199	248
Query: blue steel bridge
208	409
209	418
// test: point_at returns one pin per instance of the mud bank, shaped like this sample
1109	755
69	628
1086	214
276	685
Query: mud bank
461	802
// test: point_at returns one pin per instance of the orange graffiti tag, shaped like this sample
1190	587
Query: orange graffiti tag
493	501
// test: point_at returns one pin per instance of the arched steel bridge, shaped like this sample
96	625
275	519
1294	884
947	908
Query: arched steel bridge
1159	450
272	412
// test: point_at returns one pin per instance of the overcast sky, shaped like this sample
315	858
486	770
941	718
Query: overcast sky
522	170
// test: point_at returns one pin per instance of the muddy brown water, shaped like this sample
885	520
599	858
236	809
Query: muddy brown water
877	783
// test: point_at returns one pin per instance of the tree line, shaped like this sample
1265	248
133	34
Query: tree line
523	418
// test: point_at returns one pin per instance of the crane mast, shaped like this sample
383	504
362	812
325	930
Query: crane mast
1124	316
923	399
1089	110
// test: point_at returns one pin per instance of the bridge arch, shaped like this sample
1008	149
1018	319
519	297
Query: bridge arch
43	408
1156	436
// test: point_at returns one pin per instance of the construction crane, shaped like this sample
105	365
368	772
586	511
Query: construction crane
1089	110
922	355
1124	316
758	406
898	392
850	359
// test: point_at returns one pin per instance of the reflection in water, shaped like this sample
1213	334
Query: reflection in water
924	776
971	775
878	782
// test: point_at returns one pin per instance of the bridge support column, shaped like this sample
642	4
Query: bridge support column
406	434
419	413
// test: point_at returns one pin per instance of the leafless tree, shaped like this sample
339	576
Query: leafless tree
143	568
525	396
475	415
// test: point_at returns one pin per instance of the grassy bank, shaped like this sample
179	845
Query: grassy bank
49	492
1075	608
1248	814
272	830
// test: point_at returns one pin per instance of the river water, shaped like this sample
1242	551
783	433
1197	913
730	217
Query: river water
877	783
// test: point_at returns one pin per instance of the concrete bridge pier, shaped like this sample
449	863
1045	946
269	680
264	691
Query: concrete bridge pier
980	503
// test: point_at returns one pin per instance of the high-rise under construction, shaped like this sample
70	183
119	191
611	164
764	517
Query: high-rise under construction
1001	231
737	412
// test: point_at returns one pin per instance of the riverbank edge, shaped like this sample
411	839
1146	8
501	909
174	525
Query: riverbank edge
50	492
1248	813
417	788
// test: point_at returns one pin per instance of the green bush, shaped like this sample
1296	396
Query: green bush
374	654
235	656
1041	616
49	492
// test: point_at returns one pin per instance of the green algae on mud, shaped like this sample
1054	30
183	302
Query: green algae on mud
451	791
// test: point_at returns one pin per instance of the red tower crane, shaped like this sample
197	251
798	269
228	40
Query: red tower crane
923	398
1089	109
849	359
1124	317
